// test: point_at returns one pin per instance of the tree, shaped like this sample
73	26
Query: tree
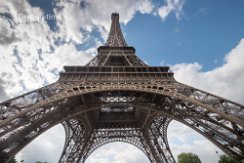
13	160
188	158
226	159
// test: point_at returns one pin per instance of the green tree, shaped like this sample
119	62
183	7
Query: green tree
13	160
188	158
226	159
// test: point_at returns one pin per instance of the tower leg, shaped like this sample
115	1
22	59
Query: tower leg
75	142
156	138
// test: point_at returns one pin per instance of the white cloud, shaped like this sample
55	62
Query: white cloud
171	6
47	147
225	81
63	55
29	54
3	94
145	6
19	56
71	17
184	139
123	153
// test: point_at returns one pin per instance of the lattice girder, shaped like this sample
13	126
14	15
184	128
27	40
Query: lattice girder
76	140
172	105
234	114
116	56
115	37
31	126
100	137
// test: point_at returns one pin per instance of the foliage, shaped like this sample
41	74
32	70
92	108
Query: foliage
188	158
226	159
13	160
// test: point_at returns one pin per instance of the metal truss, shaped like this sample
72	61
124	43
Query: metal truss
117	97
115	37
148	101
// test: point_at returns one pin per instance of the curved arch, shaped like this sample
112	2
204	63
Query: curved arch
152	88
228	149
184	139
179	103
128	151
157	133
208	133
54	120
189	125
114	140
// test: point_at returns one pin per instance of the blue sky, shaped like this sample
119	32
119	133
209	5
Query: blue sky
202	41
206	31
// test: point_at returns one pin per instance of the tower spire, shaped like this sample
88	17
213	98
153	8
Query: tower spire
115	37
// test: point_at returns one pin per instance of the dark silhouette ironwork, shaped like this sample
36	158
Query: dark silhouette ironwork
117	97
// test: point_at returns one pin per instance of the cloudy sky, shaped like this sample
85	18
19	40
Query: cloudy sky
202	41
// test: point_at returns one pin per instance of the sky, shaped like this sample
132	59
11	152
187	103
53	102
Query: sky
202	42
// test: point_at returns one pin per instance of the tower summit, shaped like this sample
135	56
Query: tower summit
116	52
115	37
116	97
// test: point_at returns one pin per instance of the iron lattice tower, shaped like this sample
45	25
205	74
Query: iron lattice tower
117	97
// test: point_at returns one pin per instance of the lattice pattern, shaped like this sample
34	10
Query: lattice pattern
115	37
167	98
124	56
117	97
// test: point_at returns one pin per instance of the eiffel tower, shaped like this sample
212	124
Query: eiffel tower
116	97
